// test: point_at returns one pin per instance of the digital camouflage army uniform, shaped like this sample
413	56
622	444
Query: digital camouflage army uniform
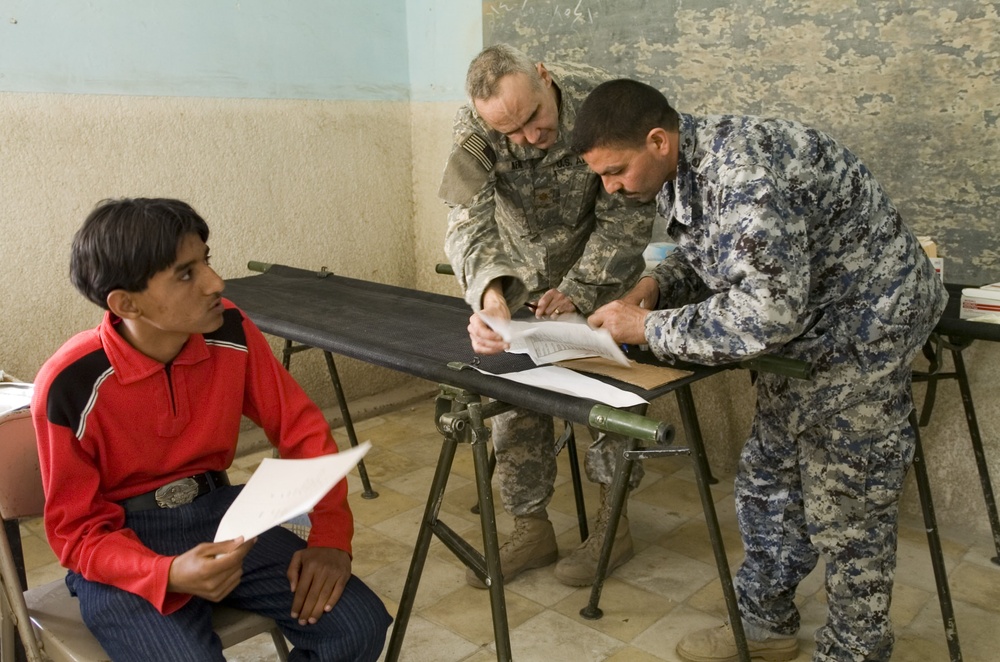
787	245
540	220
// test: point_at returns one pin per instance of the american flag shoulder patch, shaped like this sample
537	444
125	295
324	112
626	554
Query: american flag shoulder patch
475	145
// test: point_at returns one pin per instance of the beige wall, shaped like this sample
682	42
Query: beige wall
432	124
306	183
312	184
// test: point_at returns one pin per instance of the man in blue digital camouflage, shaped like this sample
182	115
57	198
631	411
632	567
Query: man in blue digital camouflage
529	222
786	245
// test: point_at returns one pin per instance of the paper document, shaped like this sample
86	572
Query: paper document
564	380
282	489
15	395
551	341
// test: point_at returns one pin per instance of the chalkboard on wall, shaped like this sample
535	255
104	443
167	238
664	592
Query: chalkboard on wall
910	87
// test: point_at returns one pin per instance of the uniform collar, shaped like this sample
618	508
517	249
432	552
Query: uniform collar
131	365
670	200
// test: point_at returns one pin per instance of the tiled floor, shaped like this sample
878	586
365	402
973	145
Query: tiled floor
669	588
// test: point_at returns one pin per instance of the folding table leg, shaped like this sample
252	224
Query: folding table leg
977	449
368	492
619	492
10	643
434	499
689	418
568	441
286	360
488	566
488	522
933	350
692	431
934	544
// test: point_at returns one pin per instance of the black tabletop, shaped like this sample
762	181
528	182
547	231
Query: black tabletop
415	332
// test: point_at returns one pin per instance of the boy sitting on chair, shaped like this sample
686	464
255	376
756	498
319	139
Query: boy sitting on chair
137	422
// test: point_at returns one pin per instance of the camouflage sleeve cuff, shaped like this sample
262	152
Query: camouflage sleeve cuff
656	338
582	297
514	291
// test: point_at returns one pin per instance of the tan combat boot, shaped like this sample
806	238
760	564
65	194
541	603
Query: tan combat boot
532	545
580	567
719	645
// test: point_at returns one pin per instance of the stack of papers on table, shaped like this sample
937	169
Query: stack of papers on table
981	304
571	342
556	340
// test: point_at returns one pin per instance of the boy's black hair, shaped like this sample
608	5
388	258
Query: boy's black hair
123	243
621	113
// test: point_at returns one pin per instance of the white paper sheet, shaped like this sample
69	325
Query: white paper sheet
564	380
282	489
549	341
15	395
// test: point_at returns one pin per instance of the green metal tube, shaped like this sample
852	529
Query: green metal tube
779	365
256	265
630	424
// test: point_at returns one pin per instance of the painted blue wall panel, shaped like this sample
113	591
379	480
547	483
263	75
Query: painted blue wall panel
443	38
311	49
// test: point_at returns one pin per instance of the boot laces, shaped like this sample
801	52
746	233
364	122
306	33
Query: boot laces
596	538
520	532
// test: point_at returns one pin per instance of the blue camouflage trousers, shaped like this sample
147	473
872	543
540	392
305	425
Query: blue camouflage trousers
524	443
820	477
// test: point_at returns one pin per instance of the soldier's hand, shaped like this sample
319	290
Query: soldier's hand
625	322
484	339
553	304
645	294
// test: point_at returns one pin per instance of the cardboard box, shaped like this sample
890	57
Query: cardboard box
980	304
931	249
928	245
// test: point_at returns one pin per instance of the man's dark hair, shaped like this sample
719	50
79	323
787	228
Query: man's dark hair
123	243
621	113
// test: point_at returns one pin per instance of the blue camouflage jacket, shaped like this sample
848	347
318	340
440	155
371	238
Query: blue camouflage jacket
784	240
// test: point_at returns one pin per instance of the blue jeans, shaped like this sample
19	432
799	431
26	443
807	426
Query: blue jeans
131	629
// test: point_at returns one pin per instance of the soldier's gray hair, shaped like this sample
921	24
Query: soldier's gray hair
492	64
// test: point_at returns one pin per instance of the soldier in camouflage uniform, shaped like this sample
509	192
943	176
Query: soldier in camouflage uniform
530	223
786	245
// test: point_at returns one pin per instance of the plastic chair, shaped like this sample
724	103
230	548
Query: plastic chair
47	618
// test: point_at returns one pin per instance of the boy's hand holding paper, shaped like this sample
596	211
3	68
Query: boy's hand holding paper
282	489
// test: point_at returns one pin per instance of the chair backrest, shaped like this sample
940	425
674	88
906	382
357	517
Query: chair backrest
21	495
55	615
21	492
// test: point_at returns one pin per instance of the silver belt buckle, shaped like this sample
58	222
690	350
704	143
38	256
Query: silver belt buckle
177	493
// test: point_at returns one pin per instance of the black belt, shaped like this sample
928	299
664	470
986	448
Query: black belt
178	492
